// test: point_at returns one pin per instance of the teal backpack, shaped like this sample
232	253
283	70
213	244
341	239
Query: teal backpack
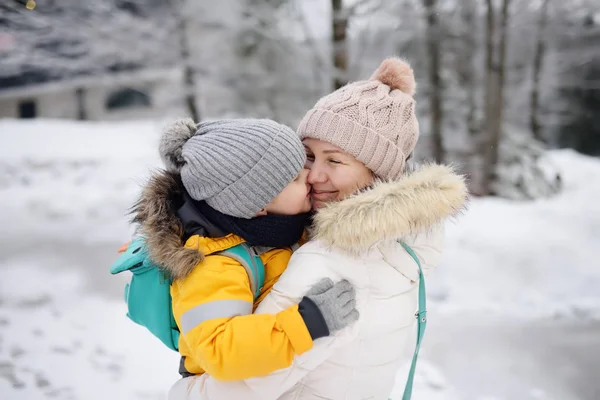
148	294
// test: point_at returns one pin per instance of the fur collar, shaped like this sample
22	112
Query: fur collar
155	212
389	210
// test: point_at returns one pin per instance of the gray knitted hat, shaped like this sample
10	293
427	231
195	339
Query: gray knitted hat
236	165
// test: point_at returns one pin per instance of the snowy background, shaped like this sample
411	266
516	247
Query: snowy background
515	306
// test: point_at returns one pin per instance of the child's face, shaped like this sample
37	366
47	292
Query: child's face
293	199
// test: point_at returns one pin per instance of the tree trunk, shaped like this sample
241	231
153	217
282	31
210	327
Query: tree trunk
466	70
495	76
270	68
435	94
538	58
339	21
189	79
501	81
81	106
484	142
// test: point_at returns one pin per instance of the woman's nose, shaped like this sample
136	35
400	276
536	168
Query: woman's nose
316	175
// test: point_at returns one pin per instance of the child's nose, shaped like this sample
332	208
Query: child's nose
304	175
304	178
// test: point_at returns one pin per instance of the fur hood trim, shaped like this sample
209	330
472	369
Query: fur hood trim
389	210
161	228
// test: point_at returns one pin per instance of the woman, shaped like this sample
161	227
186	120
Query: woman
358	141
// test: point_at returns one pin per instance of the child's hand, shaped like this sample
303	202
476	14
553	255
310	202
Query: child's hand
328	307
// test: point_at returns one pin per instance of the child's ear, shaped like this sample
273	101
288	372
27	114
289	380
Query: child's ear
261	213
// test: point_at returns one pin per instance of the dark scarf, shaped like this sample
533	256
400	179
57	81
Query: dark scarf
269	230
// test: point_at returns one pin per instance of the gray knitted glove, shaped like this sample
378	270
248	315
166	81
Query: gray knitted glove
329	307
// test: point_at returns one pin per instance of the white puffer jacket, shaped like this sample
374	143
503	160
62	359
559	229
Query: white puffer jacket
355	239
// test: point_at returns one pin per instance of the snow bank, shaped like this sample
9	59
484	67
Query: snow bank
528	258
67	178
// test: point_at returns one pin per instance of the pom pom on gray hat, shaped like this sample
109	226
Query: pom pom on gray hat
174	137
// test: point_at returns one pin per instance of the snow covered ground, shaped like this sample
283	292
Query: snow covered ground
515	307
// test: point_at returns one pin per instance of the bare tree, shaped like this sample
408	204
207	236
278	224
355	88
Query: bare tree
339	27
494	96
341	16
490	89
501	75
81	107
540	50
319	61
190	89
466	67
435	81
263	74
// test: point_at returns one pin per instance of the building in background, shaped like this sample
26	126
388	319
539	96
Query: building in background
124	95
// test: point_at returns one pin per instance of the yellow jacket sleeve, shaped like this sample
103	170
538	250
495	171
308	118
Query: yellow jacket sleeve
213	309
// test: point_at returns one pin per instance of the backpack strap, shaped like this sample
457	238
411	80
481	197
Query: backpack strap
250	260
421	315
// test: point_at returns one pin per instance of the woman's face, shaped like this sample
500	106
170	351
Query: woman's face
334	174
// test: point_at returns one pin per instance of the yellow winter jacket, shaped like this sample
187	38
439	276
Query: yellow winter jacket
211	295
213	308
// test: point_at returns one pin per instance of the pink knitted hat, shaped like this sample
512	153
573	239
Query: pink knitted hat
374	120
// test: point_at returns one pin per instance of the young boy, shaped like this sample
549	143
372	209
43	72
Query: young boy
230	182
